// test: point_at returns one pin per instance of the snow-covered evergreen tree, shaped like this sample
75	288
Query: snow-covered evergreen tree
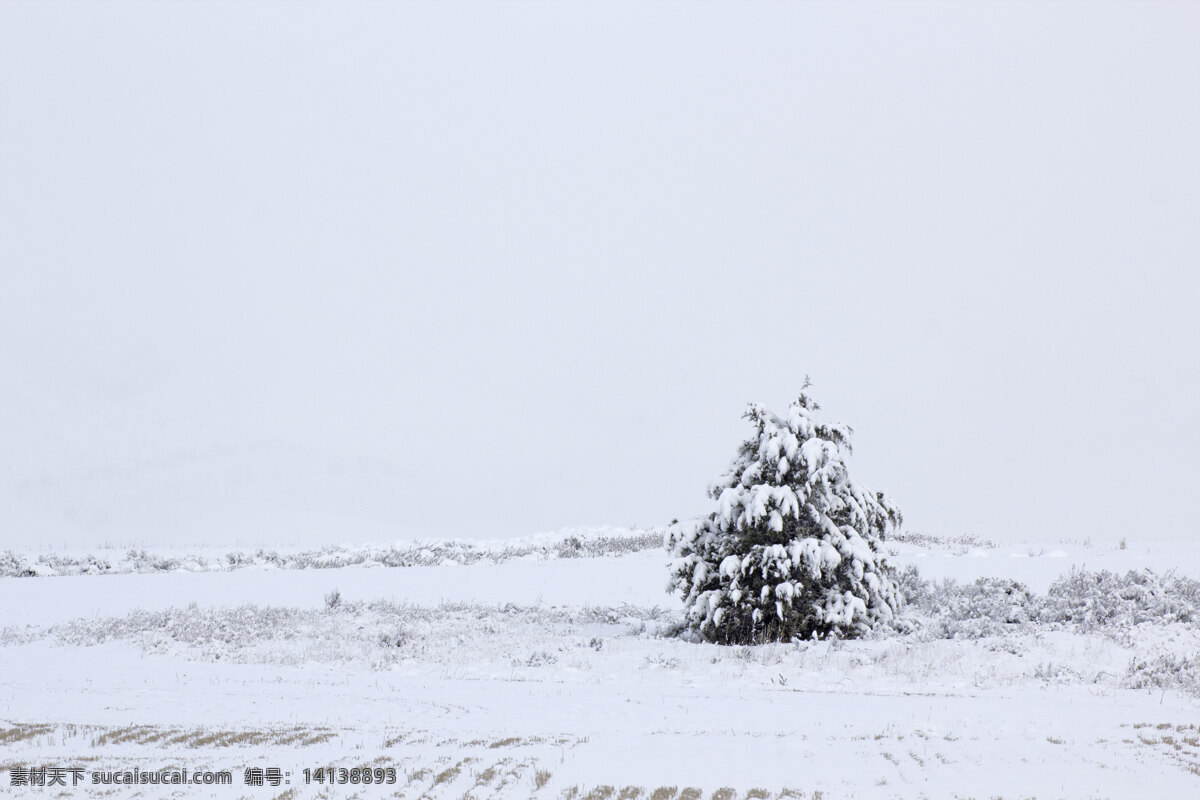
793	549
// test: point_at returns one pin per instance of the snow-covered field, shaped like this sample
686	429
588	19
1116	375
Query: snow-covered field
546	668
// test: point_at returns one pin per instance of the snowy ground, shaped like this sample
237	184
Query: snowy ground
544	672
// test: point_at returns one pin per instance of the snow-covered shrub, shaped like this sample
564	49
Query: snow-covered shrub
584	543
1166	671
13	566
960	544
793	549
1080	601
986	607
143	561
1096	599
1052	672
393	636
913	588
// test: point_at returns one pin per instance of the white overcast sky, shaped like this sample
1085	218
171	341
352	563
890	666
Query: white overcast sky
345	271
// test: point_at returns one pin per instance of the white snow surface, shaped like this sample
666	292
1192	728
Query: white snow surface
552	678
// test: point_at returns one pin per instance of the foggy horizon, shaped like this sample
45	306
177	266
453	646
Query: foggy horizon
337	272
